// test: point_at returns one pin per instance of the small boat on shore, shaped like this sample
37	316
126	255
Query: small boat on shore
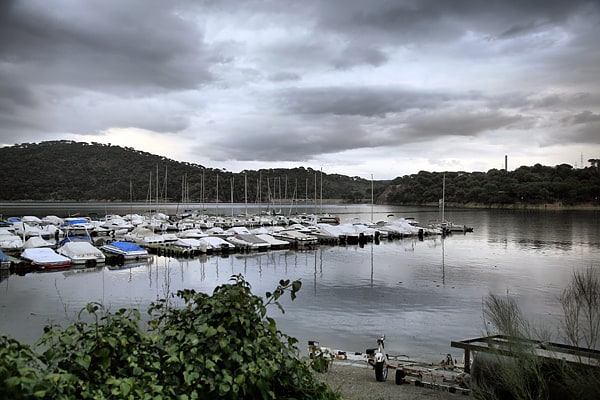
45	258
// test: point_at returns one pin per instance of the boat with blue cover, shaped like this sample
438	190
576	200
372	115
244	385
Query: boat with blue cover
129	250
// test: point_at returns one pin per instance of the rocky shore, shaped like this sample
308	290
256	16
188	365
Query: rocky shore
356	381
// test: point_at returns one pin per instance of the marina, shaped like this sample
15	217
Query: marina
422	293
191	233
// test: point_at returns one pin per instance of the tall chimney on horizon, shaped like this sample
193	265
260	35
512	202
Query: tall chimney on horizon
506	163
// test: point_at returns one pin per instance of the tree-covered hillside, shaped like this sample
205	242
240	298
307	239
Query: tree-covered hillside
75	171
526	185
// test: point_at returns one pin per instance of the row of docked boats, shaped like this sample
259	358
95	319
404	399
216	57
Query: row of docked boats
53	242
80	253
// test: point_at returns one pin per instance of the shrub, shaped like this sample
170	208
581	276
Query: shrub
220	346
525	375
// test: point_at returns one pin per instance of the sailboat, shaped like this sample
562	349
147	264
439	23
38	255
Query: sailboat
447	227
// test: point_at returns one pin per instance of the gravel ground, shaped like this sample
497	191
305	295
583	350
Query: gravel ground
356	381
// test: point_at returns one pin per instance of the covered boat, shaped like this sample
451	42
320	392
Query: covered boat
9	240
129	250
82	253
45	258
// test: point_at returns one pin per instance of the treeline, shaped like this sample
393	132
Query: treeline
526	185
75	171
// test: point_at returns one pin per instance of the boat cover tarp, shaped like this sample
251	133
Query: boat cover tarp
36	242
80	250
76	221
273	241
43	255
126	246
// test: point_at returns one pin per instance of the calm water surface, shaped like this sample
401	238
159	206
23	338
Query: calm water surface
421	294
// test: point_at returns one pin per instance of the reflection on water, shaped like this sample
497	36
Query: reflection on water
421	294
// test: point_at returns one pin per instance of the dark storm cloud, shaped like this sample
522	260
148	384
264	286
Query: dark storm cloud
104	45
426	20
296	140
583	127
456	123
363	101
63	66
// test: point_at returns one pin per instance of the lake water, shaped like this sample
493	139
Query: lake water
420	294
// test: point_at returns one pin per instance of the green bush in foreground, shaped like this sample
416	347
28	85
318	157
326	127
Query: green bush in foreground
220	346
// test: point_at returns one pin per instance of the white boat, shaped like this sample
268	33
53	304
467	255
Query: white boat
129	250
143	235
73	226
52	220
192	233
45	258
217	244
273	241
117	223
248	241
82	253
191	244
216	231
36	242
297	238
9	240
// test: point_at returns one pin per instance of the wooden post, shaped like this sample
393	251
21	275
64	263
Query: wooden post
467	361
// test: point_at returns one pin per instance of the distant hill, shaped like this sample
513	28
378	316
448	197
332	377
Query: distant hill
75	171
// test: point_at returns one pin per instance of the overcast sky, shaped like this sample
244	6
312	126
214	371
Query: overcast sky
360	88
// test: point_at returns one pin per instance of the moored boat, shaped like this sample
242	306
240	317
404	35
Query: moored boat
128	250
82	254
10	240
217	244
296	238
45	258
248	241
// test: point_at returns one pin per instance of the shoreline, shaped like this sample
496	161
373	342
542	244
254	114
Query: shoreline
356	381
493	206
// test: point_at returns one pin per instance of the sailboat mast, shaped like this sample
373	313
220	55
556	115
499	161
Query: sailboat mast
202	191
232	180
443	196
371	198
321	210
315	196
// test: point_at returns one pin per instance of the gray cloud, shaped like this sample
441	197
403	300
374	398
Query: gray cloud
364	101
141	46
294	81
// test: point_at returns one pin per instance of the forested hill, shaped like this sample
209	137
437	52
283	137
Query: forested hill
75	171
537	185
